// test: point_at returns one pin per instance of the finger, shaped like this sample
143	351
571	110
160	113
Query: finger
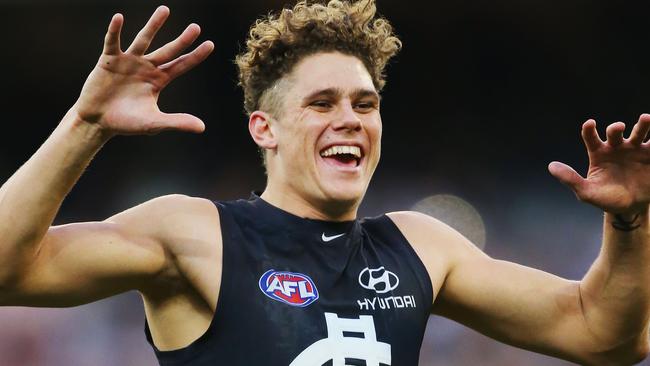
640	130
112	38
146	34
179	122
167	52
184	63
615	133
590	135
568	176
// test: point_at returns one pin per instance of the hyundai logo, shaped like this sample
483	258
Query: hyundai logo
378	280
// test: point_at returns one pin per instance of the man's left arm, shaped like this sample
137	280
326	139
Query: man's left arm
615	292
526	307
601	320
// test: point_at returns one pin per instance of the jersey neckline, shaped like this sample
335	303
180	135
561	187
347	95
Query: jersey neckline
280	216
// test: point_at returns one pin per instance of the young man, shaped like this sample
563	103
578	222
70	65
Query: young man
293	271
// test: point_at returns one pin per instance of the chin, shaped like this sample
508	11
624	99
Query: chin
344	196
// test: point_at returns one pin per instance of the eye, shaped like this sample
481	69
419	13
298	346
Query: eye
321	105
365	107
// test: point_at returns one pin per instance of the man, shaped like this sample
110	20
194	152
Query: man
293	271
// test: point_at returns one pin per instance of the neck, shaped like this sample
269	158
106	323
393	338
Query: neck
300	206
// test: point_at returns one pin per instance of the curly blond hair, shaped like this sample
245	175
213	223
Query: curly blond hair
276	43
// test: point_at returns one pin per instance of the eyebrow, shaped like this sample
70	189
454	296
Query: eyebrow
338	92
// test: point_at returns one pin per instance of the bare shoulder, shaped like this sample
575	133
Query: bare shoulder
173	206
170	218
186	227
181	302
438	245
425	231
189	233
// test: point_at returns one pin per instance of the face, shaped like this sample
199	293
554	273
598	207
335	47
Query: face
327	136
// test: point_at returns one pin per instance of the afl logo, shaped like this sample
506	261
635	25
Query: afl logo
380	280
295	289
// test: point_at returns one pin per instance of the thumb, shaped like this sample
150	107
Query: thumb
567	176
179	122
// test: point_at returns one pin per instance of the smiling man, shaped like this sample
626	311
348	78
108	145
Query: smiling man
293	271
318	165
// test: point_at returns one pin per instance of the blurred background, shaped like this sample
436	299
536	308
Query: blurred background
483	96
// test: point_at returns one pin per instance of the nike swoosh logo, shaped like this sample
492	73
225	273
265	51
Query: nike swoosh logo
330	238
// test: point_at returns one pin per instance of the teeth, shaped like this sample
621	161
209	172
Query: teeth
342	149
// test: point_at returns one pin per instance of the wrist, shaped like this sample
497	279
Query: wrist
636	210
91	133
629	220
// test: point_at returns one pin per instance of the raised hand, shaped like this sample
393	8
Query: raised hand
618	180
121	93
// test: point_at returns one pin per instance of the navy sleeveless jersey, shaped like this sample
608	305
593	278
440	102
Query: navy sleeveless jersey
303	292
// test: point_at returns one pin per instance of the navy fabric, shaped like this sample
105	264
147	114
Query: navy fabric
295	292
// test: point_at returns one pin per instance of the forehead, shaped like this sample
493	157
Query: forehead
330	70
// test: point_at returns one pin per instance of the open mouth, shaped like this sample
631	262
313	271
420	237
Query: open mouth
342	155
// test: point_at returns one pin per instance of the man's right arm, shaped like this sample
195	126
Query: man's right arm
79	263
30	199
66	265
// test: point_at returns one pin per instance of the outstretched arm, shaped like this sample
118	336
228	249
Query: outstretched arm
615	293
601	320
119	97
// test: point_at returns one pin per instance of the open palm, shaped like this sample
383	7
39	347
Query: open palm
121	93
618	179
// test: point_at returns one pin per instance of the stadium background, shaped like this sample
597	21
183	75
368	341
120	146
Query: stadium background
483	96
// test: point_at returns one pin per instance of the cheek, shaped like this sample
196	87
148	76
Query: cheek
300	146
374	130
311	135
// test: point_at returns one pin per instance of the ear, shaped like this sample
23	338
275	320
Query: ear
259	126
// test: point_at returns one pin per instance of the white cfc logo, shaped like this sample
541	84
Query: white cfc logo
337	347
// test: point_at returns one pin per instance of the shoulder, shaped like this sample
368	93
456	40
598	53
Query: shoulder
170	218
155	213
432	239
419	229
171	204
416	222
187	231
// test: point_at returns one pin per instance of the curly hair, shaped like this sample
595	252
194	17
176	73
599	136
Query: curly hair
276	43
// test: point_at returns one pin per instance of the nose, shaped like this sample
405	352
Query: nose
347	119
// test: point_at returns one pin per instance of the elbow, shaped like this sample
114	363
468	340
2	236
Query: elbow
639	348
8	280
5	290
630	353
9	288
642	350
15	263
632	356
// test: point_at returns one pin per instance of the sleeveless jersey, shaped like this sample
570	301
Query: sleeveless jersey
303	292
